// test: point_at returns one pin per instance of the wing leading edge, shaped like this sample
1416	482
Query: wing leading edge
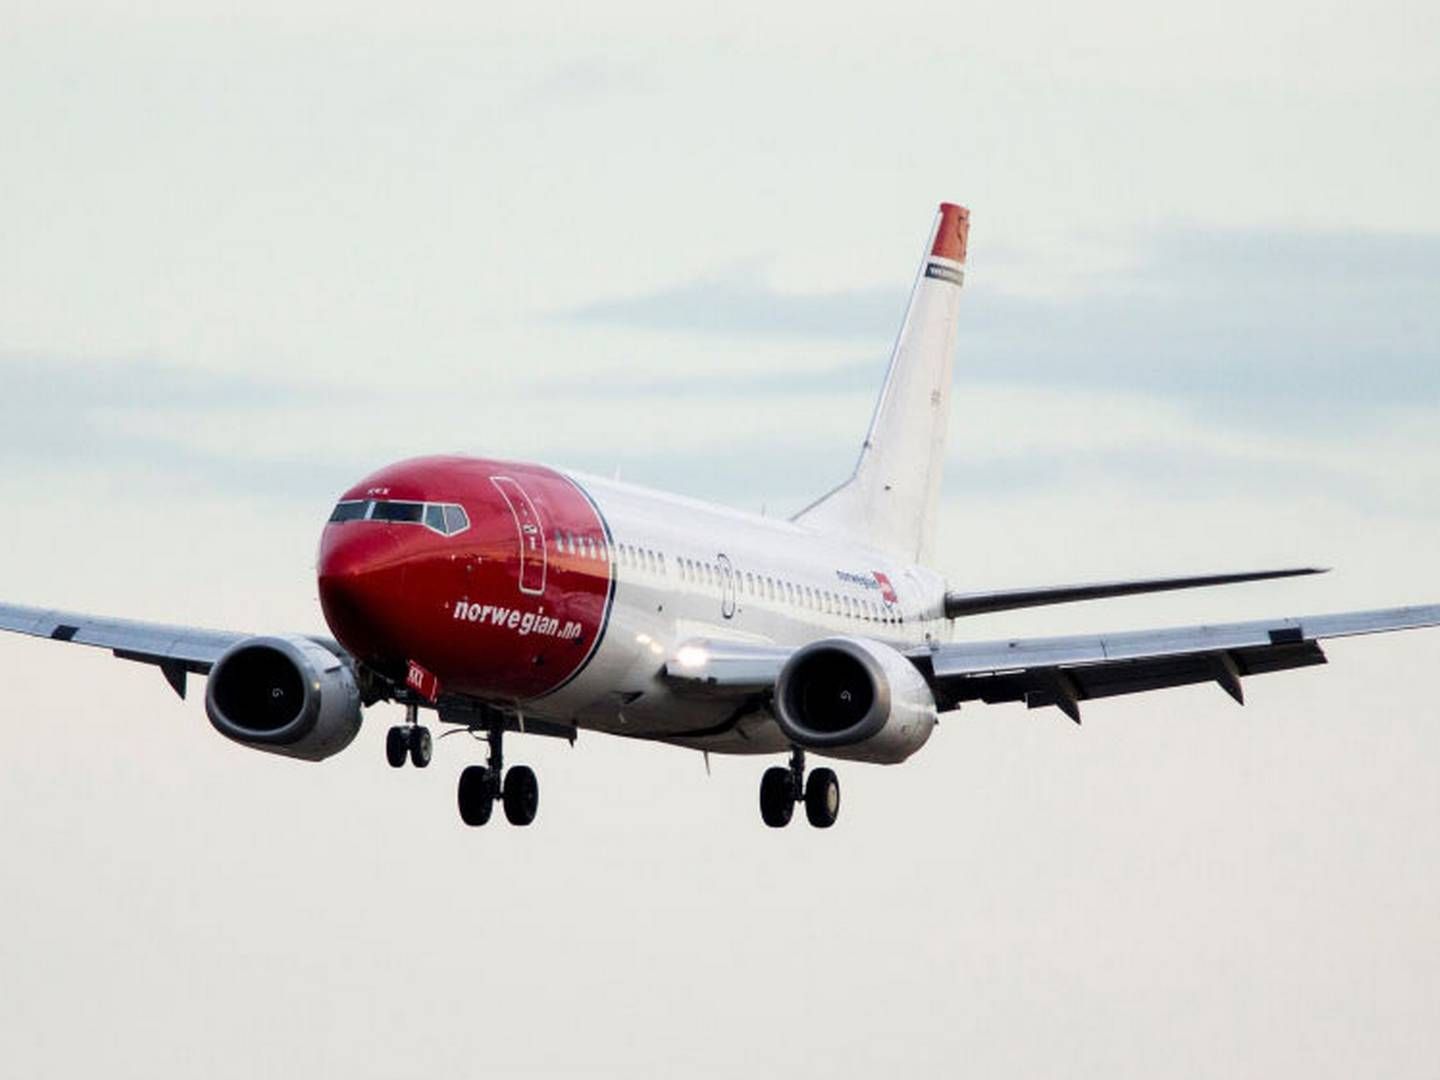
176	650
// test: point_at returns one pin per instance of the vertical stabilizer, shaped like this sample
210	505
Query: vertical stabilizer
891	499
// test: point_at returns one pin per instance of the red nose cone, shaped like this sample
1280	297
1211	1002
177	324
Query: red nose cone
361	580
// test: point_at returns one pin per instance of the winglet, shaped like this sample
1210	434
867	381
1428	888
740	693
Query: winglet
952	233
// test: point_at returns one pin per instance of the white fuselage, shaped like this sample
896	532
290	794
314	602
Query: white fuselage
687	570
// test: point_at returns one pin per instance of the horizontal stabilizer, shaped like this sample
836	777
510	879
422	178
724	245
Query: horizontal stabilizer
961	604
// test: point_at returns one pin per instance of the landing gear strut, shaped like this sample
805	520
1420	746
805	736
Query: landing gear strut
409	740
782	787
481	787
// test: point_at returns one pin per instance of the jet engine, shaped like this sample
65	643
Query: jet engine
284	695
854	698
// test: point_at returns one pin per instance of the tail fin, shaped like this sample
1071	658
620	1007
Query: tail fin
891	499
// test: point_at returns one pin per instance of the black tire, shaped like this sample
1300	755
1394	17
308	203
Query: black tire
822	798
397	746
475	795
777	797
522	795
421	746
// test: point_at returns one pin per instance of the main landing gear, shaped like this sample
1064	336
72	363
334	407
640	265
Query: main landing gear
409	740
781	788
481	787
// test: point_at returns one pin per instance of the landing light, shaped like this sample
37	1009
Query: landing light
691	656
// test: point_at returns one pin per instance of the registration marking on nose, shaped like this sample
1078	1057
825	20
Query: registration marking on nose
423	682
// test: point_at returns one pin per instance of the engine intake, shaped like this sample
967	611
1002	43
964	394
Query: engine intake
854	698
284	695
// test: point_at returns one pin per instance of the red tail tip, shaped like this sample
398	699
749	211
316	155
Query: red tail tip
952	233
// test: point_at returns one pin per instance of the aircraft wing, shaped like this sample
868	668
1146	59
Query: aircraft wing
176	650
959	604
1064	671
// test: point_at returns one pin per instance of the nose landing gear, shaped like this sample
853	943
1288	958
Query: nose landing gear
409	740
781	788
481	787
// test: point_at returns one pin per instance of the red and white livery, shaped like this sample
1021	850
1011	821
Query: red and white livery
508	596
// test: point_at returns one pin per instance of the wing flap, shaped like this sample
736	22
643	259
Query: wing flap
1033	686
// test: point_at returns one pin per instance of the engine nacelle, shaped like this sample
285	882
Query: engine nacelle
284	695
854	698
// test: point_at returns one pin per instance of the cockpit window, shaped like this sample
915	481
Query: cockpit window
447	519
349	510
394	510
456	520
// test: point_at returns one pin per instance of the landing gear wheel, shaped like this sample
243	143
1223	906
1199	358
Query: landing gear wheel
421	746
777	797
476	795
522	795
397	746
822	798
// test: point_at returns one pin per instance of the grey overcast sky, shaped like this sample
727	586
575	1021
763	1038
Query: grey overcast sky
247	255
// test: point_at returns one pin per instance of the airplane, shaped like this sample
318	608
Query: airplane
512	597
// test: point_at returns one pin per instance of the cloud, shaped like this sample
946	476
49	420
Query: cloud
73	413
1242	360
739	303
34	381
1241	320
